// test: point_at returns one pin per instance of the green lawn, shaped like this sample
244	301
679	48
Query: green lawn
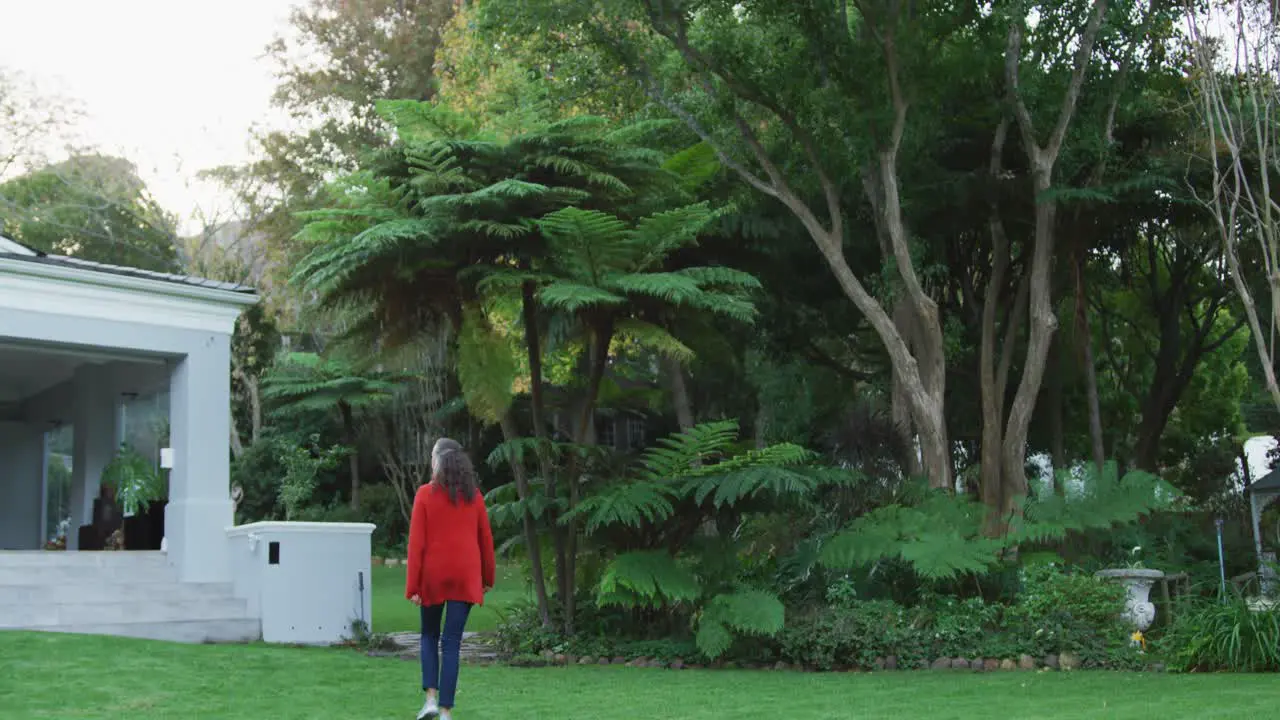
392	613
91	678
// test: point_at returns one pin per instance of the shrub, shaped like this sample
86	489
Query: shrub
853	636
1225	635
1060	611
1048	591
958	628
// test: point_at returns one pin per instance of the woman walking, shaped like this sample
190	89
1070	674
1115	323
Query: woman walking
450	568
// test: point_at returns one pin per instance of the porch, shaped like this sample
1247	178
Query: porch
91	356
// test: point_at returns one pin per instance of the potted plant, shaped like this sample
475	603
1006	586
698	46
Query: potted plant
135	484
1137	581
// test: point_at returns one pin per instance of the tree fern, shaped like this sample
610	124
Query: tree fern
679	454
486	367
654	338
750	612
650	578
576	297
943	536
630	504
506	509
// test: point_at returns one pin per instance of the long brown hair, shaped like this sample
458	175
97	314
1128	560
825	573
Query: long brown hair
452	469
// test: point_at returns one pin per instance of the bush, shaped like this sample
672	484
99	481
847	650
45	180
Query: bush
1224	635
959	628
1047	591
1060	611
1056	612
521	633
380	505
852	636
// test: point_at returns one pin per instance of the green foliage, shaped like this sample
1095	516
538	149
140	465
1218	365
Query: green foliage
853	636
1047	590
599	263
92	207
486	367
694	466
649	579
749	612
302	467
301	382
136	480
1225	634
1056	612
943	535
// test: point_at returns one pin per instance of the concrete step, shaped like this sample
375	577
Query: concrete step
89	574
82	592
30	615
129	594
229	630
28	559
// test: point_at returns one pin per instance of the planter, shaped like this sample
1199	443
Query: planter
1137	583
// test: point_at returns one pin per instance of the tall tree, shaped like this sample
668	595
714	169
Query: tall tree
1236	58
93	207
305	381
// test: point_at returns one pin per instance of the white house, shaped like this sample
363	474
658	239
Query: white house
79	340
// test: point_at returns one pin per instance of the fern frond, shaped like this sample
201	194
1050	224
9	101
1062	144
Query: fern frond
486	368
654	338
681	453
670	287
694	165
647	578
721	277
630	504
507	510
731	488
750	611
574	297
713	638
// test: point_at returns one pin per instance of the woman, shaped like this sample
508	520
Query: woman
450	568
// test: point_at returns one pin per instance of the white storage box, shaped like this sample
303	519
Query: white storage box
307	582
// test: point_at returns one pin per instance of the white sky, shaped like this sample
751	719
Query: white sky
173	85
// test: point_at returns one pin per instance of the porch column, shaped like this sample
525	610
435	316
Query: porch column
21	486
200	509
94	443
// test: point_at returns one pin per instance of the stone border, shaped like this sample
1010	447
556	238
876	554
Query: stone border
389	562
1067	662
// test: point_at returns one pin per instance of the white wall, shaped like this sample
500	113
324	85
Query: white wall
21	486
315	592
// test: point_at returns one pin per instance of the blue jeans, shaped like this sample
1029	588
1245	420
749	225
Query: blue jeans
440	651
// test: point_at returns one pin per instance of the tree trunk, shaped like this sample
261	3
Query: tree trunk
351	440
533	345
1043	322
601	338
1043	325
1057	436
1162	398
679	392
1085	339
533	544
900	406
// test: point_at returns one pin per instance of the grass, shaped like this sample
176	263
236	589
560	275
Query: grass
392	613
60	677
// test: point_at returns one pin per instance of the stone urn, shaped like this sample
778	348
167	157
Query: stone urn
1137	582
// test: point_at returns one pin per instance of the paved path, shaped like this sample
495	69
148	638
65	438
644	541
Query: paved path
474	648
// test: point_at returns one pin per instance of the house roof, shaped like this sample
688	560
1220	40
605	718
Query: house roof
11	249
1269	483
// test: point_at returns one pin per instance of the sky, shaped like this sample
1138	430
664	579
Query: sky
173	85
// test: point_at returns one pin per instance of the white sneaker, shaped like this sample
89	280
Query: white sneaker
430	709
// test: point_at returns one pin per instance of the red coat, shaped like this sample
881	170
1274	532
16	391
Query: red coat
450	548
